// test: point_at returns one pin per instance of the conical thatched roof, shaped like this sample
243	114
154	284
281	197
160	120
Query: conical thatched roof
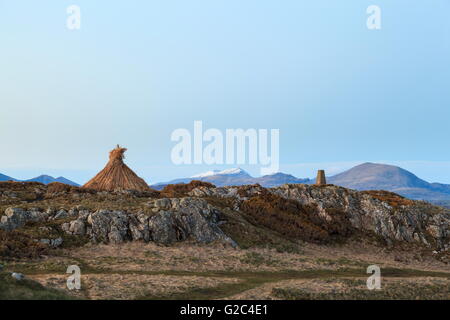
116	175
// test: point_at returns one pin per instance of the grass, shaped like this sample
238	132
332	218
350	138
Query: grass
357	290
251	280
246	279
258	259
341	262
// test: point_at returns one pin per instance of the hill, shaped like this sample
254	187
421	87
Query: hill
45	179
374	176
6	178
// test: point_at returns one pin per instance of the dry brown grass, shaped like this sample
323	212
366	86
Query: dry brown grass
57	187
130	286
181	189
58	196
295	220
17	185
138	270
349	288
393	199
19	245
355	289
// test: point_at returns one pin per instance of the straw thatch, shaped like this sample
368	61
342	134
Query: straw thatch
116	175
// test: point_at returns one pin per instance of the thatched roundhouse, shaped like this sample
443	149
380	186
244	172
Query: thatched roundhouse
117	176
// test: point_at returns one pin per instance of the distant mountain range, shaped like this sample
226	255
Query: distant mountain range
236	177
367	176
45	179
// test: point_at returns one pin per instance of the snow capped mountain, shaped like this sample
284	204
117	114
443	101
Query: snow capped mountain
206	174
233	171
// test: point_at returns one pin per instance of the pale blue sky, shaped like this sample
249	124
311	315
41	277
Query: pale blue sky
339	93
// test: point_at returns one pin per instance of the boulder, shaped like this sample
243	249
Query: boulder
18	276
186	218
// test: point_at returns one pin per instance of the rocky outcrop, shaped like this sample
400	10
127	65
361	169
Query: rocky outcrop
412	221
172	220
16	217
303	212
399	220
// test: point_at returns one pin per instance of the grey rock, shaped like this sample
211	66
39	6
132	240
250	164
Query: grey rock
61	214
108	226
45	241
181	219
56	242
18	276
139	227
66	227
77	227
52	242
163	203
193	219
16	218
50	211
